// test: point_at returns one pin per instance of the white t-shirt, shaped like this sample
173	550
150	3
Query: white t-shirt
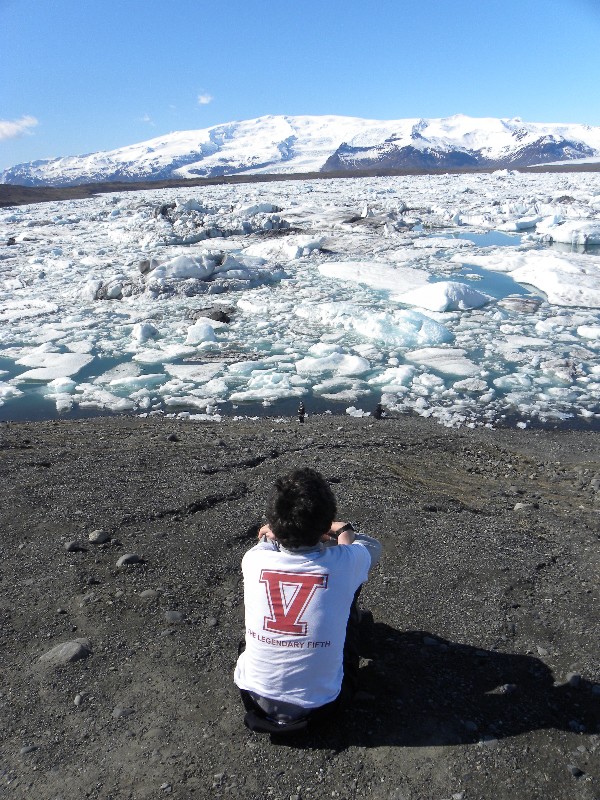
297	606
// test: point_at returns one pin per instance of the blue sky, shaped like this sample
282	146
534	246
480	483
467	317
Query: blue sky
77	76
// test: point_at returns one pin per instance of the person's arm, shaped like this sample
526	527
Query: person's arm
344	533
373	546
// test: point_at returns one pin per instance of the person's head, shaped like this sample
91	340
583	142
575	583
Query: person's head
301	508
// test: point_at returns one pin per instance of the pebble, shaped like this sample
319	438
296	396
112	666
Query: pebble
99	536
129	558
212	622
489	741
78	700
173	616
149	594
74	547
67	652
523	507
29	748
172	437
121	711
575	771
542	651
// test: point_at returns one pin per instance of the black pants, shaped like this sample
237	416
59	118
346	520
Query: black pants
258	721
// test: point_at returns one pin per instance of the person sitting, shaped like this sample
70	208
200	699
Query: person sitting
299	661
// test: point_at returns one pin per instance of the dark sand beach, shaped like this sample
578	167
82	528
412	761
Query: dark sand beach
480	677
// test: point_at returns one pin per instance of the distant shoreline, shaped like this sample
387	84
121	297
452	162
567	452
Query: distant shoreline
15	195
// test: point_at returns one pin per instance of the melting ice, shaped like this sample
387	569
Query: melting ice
470	298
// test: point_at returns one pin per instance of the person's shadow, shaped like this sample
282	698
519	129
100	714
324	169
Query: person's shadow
418	689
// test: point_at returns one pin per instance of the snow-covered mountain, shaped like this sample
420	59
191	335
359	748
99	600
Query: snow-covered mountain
296	144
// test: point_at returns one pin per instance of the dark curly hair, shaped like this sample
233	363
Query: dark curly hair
301	508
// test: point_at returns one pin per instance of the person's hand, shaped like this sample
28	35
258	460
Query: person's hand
267	533
346	537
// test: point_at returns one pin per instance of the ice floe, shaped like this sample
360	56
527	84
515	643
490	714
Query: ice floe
405	290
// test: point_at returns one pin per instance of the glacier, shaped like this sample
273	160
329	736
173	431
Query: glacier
433	295
303	144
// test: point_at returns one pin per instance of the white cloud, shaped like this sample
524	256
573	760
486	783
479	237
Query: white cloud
10	129
148	119
204	99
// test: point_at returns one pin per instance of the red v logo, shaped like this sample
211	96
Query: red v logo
289	594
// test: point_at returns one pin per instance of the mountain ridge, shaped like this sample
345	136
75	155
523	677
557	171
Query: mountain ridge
297	144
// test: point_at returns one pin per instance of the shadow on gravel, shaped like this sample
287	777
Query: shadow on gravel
419	690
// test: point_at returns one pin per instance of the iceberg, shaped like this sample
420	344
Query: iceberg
445	296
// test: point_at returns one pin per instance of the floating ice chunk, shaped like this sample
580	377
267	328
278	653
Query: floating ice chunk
445	296
521	224
323	349
64	401
189	401
286	249
52	365
131	383
567	279
195	373
124	370
385	277
357	412
159	355
215	388
247	367
441	243
547	224
575	232
13	310
143	331
517	342
340	363
189	205
7	392
267	386
427	384
90	396
182	267
448	361
341	389
589	331
89	291
514	381
394	378
402	328
80	346
471	385
60	386
203	330
257	208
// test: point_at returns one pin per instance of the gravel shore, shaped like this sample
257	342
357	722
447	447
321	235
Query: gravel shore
121	610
